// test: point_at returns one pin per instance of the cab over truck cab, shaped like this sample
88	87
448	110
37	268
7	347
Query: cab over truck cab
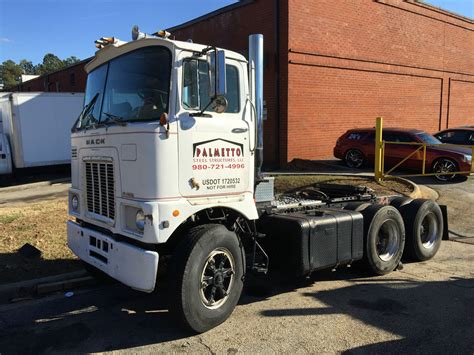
166	159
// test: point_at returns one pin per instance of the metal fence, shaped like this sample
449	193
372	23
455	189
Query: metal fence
380	146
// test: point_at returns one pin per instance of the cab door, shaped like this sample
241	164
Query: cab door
214	155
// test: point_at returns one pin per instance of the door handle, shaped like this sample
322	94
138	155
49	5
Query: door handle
239	130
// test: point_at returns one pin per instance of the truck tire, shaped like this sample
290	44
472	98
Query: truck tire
384	238
400	201
424	229
206	277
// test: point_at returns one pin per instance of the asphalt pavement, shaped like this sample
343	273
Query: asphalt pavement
425	308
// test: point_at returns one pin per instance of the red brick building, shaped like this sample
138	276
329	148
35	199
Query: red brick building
331	65
70	79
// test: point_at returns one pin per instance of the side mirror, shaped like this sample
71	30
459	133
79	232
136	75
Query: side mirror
217	79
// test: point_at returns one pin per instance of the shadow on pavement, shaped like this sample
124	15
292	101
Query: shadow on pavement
431	317
114	318
14	267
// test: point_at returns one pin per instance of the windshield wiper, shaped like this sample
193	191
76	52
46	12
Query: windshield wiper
85	112
114	119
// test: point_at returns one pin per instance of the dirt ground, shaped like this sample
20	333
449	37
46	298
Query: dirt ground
389	187
43	225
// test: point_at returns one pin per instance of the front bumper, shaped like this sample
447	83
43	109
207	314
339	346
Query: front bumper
133	266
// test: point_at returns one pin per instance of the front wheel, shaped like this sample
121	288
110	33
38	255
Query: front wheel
444	166
206	273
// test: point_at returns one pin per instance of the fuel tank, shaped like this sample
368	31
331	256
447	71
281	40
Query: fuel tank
303	242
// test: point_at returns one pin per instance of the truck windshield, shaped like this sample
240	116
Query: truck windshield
132	87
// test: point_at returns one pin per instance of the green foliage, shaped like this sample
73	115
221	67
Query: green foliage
51	63
10	72
71	60
27	67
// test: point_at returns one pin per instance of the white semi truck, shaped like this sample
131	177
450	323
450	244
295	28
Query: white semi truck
34	128
166	175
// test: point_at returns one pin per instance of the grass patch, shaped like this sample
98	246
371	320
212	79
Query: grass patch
7	219
43	225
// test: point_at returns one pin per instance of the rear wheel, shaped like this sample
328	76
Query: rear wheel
384	238
354	158
207	272
445	166
424	228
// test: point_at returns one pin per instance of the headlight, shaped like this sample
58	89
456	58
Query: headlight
74	202
140	220
467	158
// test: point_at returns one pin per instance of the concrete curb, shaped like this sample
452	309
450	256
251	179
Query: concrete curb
30	288
34	184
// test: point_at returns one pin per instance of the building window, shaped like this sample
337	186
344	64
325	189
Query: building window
72	79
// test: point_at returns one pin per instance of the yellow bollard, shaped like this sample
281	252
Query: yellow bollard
378	164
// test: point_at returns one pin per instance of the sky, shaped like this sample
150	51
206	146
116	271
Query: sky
31	28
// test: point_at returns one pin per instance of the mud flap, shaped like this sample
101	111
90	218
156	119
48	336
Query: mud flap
444	212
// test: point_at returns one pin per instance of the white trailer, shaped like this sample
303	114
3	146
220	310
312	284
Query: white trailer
35	128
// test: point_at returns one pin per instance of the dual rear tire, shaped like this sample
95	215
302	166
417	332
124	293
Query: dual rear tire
408	228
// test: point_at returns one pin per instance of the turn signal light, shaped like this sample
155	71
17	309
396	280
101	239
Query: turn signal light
164	119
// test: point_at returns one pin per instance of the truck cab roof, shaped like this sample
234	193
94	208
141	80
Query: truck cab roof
120	47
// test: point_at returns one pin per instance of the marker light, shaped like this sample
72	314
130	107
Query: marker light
140	220
162	34
163	119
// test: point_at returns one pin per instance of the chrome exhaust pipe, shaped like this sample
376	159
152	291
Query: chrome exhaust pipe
256	95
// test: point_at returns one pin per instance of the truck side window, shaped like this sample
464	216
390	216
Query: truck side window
196	86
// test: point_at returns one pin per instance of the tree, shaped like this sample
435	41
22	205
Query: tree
71	60
10	73
51	63
27	67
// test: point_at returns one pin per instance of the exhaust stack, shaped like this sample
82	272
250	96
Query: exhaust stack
256	95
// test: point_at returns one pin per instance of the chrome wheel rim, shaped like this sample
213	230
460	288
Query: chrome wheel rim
386	243
444	166
428	230
354	158
217	278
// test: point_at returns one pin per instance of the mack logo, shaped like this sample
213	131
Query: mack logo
95	141
218	148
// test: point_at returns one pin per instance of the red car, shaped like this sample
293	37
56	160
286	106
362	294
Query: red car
357	148
459	135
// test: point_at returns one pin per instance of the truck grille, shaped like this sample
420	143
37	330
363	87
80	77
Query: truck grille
100	188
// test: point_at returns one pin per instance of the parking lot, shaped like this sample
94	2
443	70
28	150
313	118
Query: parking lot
426	307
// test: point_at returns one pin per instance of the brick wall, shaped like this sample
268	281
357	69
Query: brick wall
350	61
70	79
230	30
